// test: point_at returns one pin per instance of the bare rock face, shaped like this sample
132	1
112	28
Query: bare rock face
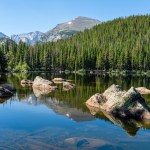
41	83
121	103
26	82
68	86
143	90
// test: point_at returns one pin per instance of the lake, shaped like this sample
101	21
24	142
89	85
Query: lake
61	120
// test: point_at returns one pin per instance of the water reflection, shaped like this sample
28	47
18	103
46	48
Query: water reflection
131	126
71	105
60	107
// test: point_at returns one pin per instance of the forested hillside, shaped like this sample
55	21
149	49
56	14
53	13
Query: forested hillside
123	43
3	61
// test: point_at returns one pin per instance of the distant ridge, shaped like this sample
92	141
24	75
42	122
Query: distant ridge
29	38
4	38
62	30
2	35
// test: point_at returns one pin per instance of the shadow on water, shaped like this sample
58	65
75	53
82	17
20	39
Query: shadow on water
72	103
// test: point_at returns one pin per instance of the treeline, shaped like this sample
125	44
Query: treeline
123	44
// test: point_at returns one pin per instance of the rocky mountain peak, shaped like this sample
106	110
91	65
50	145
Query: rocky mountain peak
69	28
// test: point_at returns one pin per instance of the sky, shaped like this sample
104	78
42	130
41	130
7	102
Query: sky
23	16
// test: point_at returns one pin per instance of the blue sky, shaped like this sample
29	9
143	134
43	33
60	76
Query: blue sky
22	16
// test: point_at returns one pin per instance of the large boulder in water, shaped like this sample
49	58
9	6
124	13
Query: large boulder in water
43	84
121	103
8	87
4	93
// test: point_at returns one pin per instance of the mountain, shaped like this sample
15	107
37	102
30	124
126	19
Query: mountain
67	29
29	38
3	41
63	30
7	41
2	35
59	107
3	38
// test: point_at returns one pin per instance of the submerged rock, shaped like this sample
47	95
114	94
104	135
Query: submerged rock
41	83
121	103
143	90
68	86
89	143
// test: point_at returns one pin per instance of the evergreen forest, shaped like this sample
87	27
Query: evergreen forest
122	44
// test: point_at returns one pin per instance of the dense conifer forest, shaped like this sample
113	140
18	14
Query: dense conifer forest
122	44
